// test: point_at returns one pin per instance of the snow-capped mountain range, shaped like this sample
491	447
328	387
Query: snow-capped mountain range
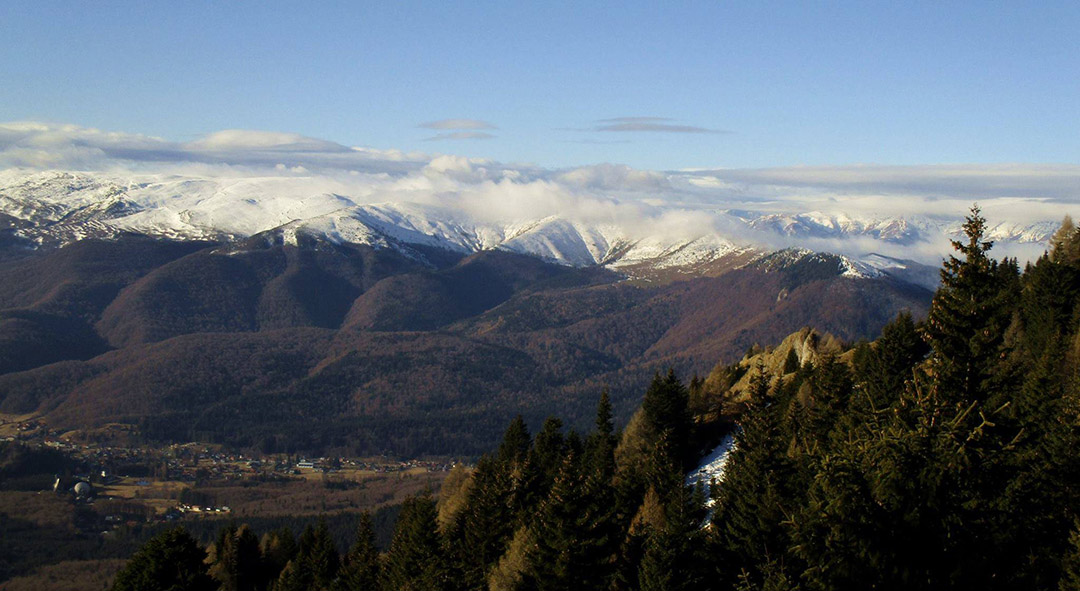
58	207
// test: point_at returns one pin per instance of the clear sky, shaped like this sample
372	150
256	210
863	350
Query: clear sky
648	84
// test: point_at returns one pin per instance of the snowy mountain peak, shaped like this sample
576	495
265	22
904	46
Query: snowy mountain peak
635	237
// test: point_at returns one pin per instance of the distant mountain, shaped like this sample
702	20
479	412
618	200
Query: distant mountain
53	208
318	345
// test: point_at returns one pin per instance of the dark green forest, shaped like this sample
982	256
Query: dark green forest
943	455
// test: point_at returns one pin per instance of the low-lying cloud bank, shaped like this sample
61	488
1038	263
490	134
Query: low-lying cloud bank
681	203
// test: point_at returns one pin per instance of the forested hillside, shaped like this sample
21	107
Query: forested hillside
944	455
327	348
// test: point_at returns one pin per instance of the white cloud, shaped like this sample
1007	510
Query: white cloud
614	177
675	203
946	180
243	139
460	135
457	124
634	120
651	127
38	145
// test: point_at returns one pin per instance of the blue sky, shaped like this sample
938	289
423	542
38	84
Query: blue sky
748	84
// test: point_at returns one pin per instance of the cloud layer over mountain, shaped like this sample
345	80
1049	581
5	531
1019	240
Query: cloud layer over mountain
736	203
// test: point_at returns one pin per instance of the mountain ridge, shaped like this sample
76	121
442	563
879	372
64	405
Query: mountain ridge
56	208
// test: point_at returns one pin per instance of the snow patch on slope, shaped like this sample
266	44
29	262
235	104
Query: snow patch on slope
712	466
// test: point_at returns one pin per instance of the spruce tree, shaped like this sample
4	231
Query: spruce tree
753	501
830	387
415	561
888	364
249	560
667	414
658	570
549	448
791	362
481	530
1044	467
170	561
277	547
360	570
540	468
515	443
673	557
555	534
1070	563
315	565
574	533
600	446
1047	303
237	560
321	557
294	577
968	317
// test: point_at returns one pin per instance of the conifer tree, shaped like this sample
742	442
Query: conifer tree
791	362
1043	467
515	443
453	493
415	561
321	557
751	503
360	571
648	517
573	535
830	387
672	559
248	560
170	561
1070	563
1065	243
541	467
1047	303
509	573
555	535
698	401
315	565
600	447
574	444
658	570
237	560
294	577
277	548
481	530
968	317
549	448
667	414
888	364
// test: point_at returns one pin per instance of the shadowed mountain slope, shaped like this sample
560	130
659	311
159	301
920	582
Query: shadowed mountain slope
314	347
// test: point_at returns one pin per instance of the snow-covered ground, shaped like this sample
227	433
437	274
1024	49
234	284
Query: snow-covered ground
712	466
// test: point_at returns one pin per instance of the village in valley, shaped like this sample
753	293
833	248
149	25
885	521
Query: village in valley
127	486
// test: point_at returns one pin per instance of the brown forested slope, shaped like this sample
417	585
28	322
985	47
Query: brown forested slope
330	347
